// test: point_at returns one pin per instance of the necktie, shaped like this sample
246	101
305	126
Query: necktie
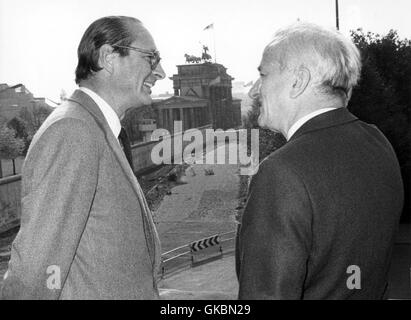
125	142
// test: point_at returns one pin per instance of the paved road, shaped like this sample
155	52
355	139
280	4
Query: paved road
212	281
203	206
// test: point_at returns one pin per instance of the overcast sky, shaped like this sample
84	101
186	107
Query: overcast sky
39	38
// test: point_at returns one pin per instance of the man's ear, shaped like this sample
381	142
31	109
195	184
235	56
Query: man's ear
106	56
349	94
302	78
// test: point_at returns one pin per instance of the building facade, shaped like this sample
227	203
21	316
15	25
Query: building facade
202	96
193	112
210	81
18	101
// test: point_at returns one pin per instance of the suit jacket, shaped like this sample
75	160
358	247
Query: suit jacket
328	200
86	230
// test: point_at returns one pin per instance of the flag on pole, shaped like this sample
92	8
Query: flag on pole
210	26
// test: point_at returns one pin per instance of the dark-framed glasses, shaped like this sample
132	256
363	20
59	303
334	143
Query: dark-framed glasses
153	55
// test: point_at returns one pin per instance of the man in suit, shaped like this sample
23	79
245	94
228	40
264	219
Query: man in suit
322	211
86	230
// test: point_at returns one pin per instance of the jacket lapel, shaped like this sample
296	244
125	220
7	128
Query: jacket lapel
153	242
325	120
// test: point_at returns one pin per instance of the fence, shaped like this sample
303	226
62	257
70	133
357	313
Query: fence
186	257
10	206
6	167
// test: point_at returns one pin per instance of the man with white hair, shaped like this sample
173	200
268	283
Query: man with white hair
323	210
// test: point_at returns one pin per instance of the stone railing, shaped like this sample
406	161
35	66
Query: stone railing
10	187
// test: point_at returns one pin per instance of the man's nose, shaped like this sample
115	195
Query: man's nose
159	72
254	92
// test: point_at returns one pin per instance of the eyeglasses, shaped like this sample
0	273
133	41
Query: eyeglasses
153	55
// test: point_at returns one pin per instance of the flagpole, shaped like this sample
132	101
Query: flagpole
211	26
337	15
215	50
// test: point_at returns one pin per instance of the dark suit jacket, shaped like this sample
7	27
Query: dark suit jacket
329	199
82	211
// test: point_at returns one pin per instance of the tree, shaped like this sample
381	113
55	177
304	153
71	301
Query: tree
40	113
34	116
383	96
20	127
10	146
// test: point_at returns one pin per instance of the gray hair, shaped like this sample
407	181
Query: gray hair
333	60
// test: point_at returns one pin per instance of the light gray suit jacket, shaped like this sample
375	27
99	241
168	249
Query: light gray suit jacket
86	230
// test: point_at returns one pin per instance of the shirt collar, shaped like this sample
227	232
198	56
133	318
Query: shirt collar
108	112
297	125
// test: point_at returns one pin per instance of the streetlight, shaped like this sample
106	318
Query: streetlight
337	15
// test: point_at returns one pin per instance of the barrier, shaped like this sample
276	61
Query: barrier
205	249
204	243
185	257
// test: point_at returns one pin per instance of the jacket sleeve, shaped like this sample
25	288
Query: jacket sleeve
58	186
274	240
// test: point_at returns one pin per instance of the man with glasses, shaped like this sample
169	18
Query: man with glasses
86	230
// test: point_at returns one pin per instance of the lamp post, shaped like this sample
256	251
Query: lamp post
337	18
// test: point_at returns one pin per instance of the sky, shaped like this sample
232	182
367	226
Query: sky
39	39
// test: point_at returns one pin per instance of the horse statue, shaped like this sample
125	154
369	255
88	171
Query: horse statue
192	59
206	57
